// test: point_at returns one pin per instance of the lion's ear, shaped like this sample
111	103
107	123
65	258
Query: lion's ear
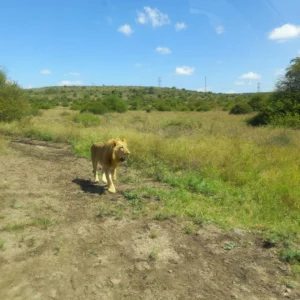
114	143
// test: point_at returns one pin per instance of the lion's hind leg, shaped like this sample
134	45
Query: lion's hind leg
95	164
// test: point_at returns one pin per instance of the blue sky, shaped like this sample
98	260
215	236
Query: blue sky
234	43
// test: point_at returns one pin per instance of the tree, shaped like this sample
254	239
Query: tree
13	105
282	107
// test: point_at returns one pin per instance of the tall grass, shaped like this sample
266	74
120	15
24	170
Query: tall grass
220	169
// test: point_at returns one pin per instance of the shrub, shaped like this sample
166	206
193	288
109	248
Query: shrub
95	108
86	119
282	108
241	109
13	105
256	102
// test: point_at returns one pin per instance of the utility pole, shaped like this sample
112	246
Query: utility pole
159	82
258	87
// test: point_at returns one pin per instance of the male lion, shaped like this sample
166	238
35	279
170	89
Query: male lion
110	155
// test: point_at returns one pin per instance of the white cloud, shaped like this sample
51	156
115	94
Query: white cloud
250	75
74	74
185	70
154	16
220	29
239	83
231	92
279	72
138	65
180	26
163	50
142	18
126	29
45	72
68	82
29	86
299	53
286	31
203	90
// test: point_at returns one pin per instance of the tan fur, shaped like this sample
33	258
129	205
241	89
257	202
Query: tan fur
109	155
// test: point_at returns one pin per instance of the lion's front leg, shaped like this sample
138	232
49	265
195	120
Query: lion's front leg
111	187
104	178
115	174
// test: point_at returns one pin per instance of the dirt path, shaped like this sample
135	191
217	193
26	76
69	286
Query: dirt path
54	246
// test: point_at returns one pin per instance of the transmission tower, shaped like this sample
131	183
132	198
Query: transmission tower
258	87
205	84
159	81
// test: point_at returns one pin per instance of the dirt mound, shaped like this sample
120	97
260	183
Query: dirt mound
55	247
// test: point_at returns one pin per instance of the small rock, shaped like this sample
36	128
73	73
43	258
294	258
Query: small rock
115	281
238	231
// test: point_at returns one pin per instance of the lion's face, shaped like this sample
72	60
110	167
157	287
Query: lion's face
121	151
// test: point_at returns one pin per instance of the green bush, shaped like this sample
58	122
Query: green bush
13	104
86	119
241	109
282	108
115	103
256	102
94	107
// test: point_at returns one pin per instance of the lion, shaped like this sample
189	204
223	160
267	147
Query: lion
110	155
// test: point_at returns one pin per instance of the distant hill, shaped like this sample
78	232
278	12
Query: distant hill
135	97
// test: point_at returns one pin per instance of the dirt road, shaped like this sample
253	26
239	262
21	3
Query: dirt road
55	247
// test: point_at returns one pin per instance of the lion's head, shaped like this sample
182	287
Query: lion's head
120	149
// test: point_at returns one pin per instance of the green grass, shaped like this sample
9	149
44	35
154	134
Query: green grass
42	223
289	255
1	244
218	171
87	119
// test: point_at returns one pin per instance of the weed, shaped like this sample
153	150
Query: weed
291	284
229	246
290	256
30	242
43	223
92	252
296	270
153	255
106	210
57	249
160	216
16	205
2	244
190	228
16	226
153	235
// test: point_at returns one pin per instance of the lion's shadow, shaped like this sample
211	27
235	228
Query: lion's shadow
89	187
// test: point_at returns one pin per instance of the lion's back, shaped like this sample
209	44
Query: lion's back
101	152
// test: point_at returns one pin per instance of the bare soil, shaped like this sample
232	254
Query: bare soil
62	250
